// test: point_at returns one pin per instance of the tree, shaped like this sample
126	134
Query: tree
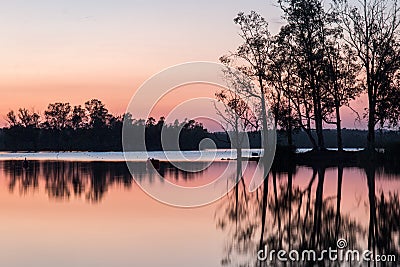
371	28
97	112
28	119
237	113
341	82
253	60
57	115
308	29
78	118
287	106
150	122
12	118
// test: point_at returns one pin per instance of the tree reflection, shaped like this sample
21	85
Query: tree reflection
300	218
384	218
62	180
88	180
282	214
20	179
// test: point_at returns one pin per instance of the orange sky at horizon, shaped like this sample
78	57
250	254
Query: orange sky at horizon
118	102
65	51
69	51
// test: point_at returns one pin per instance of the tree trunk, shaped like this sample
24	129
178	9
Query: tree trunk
290	136
290	128
319	128
371	105
338	128
264	122
371	127
316	97
311	138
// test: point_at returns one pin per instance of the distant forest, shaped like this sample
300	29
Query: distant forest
86	128
92	128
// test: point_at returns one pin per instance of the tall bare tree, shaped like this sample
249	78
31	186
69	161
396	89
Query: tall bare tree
307	30
253	60
341	82
372	29
290	110
238	115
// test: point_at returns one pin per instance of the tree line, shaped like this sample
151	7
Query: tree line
325	56
92	128
89	128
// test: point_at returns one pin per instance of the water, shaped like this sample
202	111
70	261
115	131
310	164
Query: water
304	150
80	213
206	155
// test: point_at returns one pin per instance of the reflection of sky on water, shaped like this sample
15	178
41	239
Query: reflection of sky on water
93	214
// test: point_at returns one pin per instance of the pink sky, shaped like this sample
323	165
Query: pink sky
67	51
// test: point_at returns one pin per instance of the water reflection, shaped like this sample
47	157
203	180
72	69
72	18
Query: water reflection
298	208
90	180
311	214
63	179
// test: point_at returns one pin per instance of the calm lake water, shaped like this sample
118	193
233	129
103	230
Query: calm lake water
81	213
202	156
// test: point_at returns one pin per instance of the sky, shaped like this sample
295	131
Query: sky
74	51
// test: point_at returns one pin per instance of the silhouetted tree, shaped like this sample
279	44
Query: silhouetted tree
78	118
341	81
57	115
237	115
12	118
290	111
308	28
90	129
253	60
28	119
372	29
97	113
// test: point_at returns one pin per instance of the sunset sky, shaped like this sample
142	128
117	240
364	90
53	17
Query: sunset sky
73	51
